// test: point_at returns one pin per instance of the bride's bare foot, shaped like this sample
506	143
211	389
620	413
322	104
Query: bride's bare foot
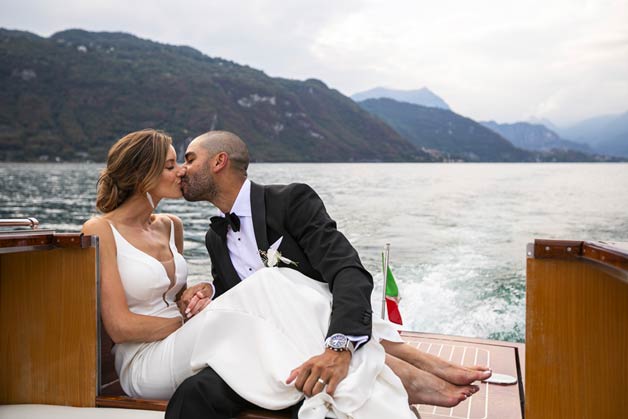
426	388
455	374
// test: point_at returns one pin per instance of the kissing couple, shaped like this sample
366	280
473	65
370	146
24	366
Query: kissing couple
287	319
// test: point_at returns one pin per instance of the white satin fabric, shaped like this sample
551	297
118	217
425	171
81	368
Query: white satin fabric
270	324
253	336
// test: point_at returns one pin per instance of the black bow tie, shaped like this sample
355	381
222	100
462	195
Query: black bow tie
219	224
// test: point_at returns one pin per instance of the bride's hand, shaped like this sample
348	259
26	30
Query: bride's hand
191	297
197	304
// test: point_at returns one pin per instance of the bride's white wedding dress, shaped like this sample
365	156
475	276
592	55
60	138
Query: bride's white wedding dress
252	336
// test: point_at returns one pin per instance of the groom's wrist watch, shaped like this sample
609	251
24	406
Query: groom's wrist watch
339	342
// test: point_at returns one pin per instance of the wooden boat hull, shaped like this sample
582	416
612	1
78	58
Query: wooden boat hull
576	330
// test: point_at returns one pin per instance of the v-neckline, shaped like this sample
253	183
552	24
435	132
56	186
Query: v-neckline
172	282
145	253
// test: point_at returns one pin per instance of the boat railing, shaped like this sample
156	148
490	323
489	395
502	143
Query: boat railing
19	222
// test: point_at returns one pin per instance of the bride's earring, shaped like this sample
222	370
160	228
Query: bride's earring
150	200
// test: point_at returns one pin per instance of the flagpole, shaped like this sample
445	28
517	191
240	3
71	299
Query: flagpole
385	267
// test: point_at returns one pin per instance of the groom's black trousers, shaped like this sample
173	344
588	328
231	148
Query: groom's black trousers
206	396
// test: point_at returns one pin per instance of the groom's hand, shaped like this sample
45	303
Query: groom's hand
330	368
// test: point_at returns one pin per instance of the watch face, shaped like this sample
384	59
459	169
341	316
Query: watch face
338	341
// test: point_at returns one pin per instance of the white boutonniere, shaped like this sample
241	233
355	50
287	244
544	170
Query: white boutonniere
272	256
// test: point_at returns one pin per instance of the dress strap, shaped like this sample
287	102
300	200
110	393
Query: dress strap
117	237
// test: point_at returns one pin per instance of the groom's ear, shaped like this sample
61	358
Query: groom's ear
220	161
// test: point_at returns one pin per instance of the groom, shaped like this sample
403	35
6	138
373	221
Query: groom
291	219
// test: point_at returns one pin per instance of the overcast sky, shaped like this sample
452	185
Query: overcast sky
505	60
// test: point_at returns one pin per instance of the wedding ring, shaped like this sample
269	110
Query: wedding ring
320	380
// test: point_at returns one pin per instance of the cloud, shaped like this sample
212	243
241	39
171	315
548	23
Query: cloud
490	59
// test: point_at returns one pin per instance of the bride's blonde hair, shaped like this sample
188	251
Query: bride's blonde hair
134	164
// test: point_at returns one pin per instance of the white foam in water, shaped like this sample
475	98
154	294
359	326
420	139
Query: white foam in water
453	299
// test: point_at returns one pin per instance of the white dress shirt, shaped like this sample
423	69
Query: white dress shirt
242	245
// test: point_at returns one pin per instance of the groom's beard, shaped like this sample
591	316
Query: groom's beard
200	187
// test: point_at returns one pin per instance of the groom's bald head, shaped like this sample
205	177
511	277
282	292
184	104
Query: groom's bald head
215	142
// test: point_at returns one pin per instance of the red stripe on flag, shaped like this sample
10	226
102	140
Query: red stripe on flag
393	311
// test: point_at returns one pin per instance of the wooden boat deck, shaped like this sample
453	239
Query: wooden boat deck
492	401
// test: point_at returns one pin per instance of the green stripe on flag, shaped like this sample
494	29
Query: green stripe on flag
391	285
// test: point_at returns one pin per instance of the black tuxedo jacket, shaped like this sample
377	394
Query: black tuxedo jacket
310	238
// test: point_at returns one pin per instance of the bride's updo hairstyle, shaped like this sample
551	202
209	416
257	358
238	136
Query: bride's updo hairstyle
134	164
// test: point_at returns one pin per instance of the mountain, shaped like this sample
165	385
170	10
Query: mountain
423	96
545	122
445	131
615	146
597	129
607	134
534	137
73	94
449	136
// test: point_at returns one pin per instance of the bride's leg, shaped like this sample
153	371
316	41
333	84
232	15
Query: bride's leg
455	374
426	388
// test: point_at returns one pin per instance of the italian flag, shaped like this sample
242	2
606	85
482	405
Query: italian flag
392	297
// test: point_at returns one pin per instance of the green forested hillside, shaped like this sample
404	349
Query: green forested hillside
73	94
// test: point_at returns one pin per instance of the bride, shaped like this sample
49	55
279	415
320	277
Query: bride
250	335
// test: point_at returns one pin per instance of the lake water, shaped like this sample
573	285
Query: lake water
458	232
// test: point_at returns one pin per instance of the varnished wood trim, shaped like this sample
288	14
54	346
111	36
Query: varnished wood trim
553	249
596	252
124	402
606	254
37	240
26	240
73	240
